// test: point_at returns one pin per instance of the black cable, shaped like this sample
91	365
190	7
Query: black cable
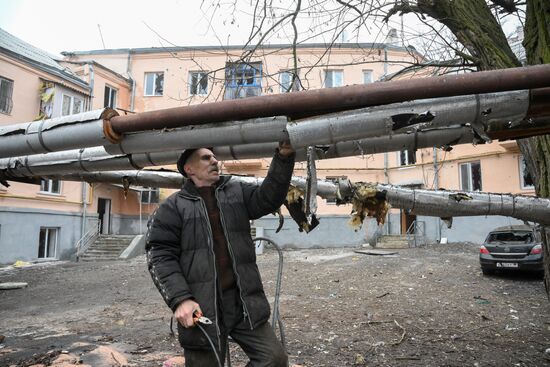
211	345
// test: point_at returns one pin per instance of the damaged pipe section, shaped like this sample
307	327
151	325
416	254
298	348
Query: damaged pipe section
367	199
86	129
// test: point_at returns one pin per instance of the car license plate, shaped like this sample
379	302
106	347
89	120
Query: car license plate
507	265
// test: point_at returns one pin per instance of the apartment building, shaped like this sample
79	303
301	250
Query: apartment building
45	221
145	79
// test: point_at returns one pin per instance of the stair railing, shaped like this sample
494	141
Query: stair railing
85	241
416	233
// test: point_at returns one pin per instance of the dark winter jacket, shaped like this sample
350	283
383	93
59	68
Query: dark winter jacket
180	251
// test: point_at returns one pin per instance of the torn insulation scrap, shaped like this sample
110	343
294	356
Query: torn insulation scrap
367	201
295	204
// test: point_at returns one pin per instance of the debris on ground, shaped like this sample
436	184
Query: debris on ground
13	285
376	252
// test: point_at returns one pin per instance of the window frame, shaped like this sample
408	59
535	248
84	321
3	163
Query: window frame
284	86
470	176
72	100
236	79
408	153
333	71
48	185
9	98
47	230
111	90
204	75
151	199
155	74
522	168
368	72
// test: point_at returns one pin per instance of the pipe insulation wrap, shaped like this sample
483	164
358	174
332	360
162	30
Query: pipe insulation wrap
209	135
383	120
68	132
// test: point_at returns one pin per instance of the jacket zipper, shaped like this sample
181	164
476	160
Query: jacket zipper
230	248
211	246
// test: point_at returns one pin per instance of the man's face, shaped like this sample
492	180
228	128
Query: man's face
202	167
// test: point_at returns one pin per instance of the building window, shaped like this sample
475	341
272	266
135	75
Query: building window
285	80
367	77
110	97
470	176
243	80
198	83
47	242
154	84
527	182
50	186
6	92
407	157
334	78
149	195
334	179
71	105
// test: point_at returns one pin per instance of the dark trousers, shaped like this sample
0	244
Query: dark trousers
260	345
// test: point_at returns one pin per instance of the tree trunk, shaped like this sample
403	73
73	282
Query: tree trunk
473	24
536	150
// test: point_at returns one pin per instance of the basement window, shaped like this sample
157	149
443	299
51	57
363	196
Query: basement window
154	84
470	176
526	179
47	243
6	92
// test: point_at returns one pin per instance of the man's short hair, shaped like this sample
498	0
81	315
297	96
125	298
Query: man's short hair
183	159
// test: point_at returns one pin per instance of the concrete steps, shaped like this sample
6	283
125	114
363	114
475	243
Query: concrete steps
392	241
107	247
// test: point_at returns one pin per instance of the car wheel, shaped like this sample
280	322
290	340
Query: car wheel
487	271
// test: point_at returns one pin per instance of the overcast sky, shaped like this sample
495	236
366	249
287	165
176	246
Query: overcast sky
71	25
65	25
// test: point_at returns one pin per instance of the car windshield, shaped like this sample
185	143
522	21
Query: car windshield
524	237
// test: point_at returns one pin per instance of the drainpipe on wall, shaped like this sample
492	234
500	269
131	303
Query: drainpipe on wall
84	184
436	187
129	73
387	179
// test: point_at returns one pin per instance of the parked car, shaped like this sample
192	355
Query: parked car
516	248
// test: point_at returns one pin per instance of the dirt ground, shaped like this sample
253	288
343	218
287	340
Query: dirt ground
426	306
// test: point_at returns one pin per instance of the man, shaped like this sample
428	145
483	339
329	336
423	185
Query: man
202	258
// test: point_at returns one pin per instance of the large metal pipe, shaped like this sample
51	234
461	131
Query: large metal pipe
328	100
86	129
492	112
97	159
419	201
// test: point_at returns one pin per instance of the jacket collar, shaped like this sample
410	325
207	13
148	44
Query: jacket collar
189	188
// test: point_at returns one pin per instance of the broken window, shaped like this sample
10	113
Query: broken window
6	92
47	242
470	176
334	179
285	80
50	186
334	78
407	157
150	195
198	83
109	98
367	76
154	84
71	105
243	80
527	182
